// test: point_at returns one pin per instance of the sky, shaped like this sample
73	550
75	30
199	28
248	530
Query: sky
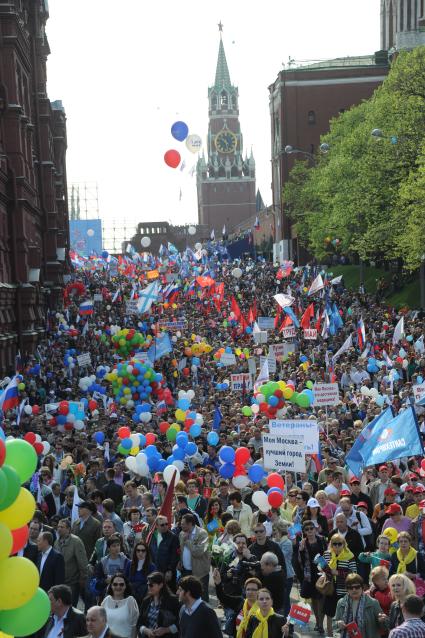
125	70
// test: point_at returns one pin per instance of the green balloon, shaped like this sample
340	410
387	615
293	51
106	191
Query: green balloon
28	618
22	457
171	434
246	410
12	486
309	385
303	400
123	450
294	397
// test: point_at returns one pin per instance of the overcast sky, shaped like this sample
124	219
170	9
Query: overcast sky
127	69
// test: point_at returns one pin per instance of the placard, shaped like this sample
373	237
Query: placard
271	361
419	391
173	325
131	307
300	615
282	349
325	394
304	427
260	337
97	297
84	359
310	333
237	381
228	359
252	366
288	333
266	323
283	452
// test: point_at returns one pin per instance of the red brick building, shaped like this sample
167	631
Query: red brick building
226	178
302	102
34	234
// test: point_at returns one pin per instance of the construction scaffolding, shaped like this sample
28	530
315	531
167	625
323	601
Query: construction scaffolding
116	233
83	200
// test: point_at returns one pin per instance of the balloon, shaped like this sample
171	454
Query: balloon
237	273
256	473
227	470
242	456
194	143
240	481
247	410
172	158
22	579
150	438
391	533
124	432
20	512
275	480
28	410
227	454
146	242
179	131
99	437
6	542
191	449
2	451
275	498
212	438
20	538
261	500
182	439
168	473
12	486
195	430
29	618
22	457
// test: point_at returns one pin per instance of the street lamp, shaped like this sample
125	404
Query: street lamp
324	148
379	135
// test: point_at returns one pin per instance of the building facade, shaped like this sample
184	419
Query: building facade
302	102
226	177
402	24
34	234
162	232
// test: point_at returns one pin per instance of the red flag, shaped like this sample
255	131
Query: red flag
254	309
166	508
286	323
251	317
307	316
277	318
318	322
235	308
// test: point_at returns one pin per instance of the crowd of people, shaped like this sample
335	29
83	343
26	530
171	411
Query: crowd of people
115	562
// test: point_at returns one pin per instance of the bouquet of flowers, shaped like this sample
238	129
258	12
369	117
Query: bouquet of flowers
221	554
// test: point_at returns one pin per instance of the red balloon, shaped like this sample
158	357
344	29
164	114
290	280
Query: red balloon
20	537
242	456
163	427
52	422
239	471
150	438
264	406
422	464
186	372
38	447
92	405
275	480
63	407
30	438
172	158
275	499
67	426
278	393
124	432
2	452
36	409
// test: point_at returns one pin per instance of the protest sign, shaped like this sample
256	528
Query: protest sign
419	391
288	333
252	366
266	323
300	615
97	297
173	325
325	394
304	427
260	337
131	307
228	359
272	362
282	349
310	333
84	359
283	452
237	381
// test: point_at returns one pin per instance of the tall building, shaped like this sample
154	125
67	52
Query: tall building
402	24
34	235
226	178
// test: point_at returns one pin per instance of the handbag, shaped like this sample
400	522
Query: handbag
325	585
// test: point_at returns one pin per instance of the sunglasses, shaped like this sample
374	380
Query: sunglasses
354	587
337	544
309	528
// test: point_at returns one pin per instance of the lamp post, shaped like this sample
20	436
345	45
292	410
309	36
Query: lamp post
289	150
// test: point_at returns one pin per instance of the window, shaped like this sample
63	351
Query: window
311	118
409	15
224	100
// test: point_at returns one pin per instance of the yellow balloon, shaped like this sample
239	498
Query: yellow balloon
288	392
22	578
180	414
391	533
20	512
175	374
282	385
6	541
3	635
134	451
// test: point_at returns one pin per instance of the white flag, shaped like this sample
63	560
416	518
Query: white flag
284	300
398	331
75	502
85	329
345	346
419	344
256	327
263	377
336	280
316	285
116	295
326	324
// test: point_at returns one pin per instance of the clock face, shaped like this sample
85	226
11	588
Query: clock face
225	142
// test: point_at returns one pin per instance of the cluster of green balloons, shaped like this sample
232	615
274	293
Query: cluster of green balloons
24	606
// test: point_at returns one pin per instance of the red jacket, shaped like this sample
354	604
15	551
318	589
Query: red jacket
383	597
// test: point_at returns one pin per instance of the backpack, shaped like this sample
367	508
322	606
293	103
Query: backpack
369	538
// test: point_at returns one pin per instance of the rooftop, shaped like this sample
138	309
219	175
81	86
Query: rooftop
336	63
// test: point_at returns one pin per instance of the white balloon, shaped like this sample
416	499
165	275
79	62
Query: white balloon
78	425
240	481
261	501
131	464
191	230
135	438
190	394
169	472
178	464
145	417
364	390
193	143
46	447
237	273
130	403
198	246
28	409
37	438
255	408
174	339
70	418
145	241
181	394
199	419
194	368
141	461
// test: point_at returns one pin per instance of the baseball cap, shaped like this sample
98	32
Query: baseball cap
361	504
390	492
384	468
354	479
409	488
393	509
313	502
345	493
418	490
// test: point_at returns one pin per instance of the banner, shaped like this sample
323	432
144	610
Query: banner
173	325
228	359
283	452
272	362
282	349
419	391
131	307
310	333
237	381
288	333
266	323
306	428
325	394
162	346
260	337
354	458
84	359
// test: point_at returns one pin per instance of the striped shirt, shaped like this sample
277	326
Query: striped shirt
344	568
411	628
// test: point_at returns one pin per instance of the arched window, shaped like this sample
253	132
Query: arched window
311	117
213	102
221	172
224	100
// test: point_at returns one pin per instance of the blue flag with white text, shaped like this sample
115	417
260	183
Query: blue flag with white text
161	346
354	458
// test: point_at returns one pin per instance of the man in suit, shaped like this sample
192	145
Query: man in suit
195	556
164	548
86	526
30	550
111	489
97	625
72	549
66	621
50	563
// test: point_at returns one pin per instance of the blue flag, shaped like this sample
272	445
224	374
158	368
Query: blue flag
217	419
293	316
161	346
354	458
391	439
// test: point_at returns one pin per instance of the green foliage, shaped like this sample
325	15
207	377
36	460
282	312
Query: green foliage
369	192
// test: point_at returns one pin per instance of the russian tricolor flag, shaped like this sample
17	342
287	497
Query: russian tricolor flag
361	334
86	307
257	224
9	398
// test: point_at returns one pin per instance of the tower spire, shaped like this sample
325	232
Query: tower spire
222	75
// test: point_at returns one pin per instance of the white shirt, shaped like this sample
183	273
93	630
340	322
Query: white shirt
187	556
57	628
190	610
44	556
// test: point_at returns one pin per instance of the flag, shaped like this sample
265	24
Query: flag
147	297
85	329
75	502
387	360
392	439
257	224
86	308
9	398
284	300
223	232
354	459
361	334
20	410
345	346
263	377
419	344
336	280
116	295
166	508
212	235
317	285
307	316
398	331
293	316
172	249
161	346
217	418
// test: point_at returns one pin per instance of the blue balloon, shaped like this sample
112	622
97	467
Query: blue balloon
180	131
142	440
212	438
191	449
303	358
256	473
195	430
182	439
61	419
228	349
161	465
248	330
191	415
99	437
409	338
179	453
145	407
419	379
135	417
127	444
274	489
273	401
227	454
150	450
183	404
196	361
227	470
152	463
105	254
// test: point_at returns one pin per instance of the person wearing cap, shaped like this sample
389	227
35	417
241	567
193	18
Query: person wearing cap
331	463
313	513
413	510
407	498
378	487
357	495
396	519
86	526
380	514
